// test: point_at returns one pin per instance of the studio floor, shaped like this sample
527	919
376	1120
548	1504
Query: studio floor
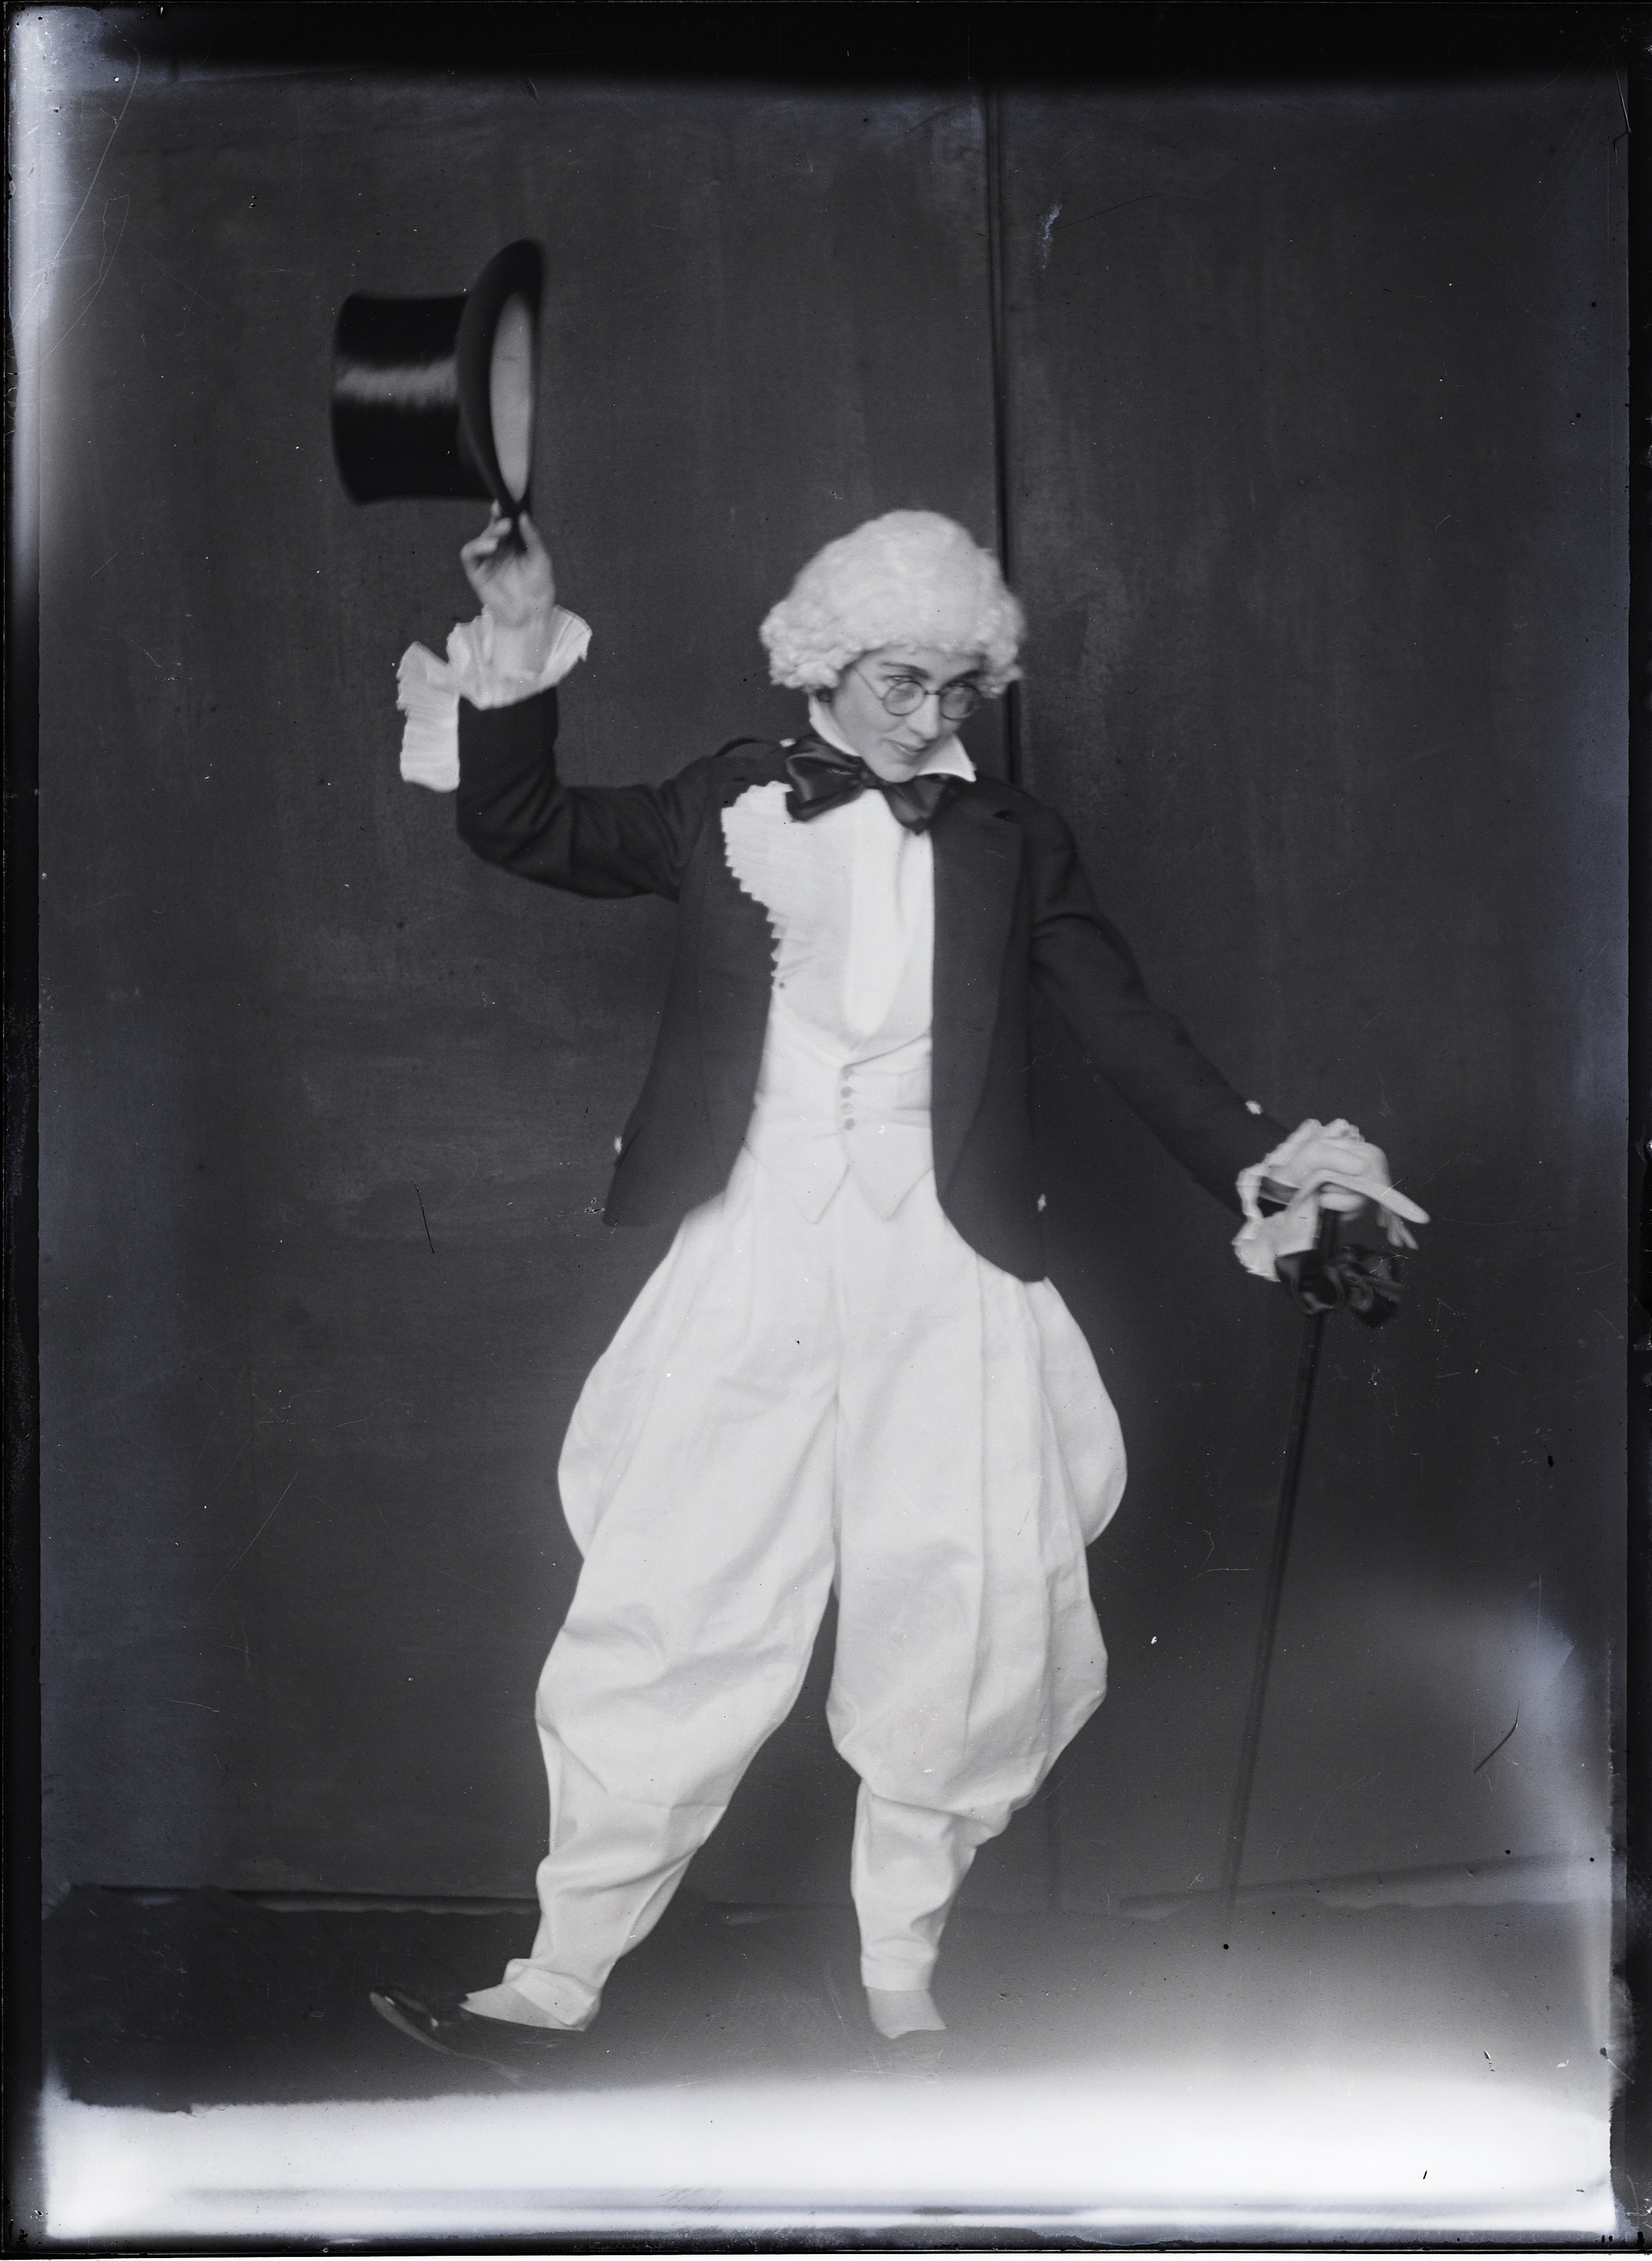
1411	2066
170	2001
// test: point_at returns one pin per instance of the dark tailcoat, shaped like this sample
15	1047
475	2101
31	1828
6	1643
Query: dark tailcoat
1013	913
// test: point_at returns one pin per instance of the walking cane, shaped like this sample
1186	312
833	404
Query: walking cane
1320	1282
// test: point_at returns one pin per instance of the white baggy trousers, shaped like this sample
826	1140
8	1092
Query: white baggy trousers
822	1386
857	1402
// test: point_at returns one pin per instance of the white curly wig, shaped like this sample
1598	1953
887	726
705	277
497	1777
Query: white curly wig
908	577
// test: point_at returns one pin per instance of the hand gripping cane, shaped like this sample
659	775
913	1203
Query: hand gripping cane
1321	1280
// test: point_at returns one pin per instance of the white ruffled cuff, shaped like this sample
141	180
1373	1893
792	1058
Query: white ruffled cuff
490	666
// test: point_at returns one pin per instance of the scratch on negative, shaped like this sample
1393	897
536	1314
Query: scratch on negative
1496	1747
257	1534
106	262
1084	218
51	264
949	110
423	1219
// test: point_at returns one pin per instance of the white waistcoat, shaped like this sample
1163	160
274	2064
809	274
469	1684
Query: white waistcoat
844	1083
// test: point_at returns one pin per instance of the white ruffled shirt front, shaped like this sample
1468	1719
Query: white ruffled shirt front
845	1082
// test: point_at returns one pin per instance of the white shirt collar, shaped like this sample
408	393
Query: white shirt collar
946	757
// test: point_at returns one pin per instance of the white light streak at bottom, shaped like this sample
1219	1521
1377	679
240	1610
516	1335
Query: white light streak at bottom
1311	2154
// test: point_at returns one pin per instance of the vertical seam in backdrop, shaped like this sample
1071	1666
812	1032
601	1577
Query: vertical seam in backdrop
1631	1743
992	139
992	161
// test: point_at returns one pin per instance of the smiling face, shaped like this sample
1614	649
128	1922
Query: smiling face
897	745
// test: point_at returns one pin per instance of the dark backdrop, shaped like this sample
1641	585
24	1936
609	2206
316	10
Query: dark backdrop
1298	414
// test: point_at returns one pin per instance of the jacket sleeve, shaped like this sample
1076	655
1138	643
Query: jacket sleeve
514	811
1083	966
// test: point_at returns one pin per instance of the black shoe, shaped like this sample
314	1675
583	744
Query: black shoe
454	2031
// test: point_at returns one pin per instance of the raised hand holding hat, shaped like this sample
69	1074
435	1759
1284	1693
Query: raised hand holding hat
509	568
523	642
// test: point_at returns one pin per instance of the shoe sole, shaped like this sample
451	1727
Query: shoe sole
392	2016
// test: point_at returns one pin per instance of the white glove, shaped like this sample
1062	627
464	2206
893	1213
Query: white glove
1321	1165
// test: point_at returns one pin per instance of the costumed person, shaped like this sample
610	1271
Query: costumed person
849	1371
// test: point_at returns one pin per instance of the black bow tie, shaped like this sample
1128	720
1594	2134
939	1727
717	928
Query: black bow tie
822	778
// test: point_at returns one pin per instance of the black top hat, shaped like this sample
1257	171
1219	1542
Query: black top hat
435	396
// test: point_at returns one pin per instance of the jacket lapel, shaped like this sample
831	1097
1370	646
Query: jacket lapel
977	867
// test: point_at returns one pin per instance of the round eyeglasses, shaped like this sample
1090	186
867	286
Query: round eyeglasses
905	695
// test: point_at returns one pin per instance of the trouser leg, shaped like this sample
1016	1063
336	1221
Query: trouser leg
968	1653
613	1866
909	1863
697	1477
